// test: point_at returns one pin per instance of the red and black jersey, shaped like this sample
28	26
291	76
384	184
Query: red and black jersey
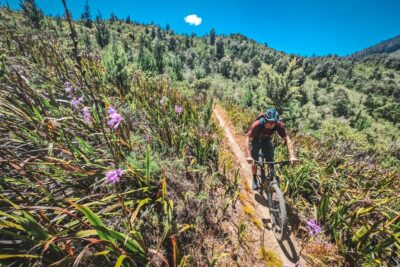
258	130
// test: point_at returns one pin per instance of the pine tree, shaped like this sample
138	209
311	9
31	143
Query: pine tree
341	103
212	37
115	62
187	42
281	94
159	33
159	56
102	32
32	12
172	43
225	67
153	33
146	60
59	20
220	53
113	18
86	17
255	64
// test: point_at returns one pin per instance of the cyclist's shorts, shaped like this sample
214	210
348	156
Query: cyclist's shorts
265	145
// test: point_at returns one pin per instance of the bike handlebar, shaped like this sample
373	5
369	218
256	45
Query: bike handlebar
283	163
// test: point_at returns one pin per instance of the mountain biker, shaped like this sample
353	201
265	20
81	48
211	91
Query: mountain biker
259	137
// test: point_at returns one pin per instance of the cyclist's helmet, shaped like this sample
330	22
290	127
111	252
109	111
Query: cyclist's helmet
271	115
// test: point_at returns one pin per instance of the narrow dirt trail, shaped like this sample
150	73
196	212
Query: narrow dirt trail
287	249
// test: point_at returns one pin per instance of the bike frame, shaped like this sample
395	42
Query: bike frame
270	175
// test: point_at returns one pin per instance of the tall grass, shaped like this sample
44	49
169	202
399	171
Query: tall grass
57	205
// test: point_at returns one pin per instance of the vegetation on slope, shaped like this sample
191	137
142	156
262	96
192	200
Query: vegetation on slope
95	171
343	113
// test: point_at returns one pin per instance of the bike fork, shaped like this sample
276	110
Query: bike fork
270	194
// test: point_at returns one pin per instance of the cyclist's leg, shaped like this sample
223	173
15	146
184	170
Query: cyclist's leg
268	149
255	148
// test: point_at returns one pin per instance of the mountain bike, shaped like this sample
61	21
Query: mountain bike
269	185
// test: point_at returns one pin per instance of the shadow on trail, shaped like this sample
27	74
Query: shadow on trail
286	244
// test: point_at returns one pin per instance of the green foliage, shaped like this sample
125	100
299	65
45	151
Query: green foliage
172	43
115	63
58	206
57	159
341	103
352	195
86	17
279	91
147	61
32	12
325	69
159	56
220	51
102	32
225	67
212	36
255	64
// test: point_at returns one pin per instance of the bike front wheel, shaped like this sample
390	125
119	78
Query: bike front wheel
277	208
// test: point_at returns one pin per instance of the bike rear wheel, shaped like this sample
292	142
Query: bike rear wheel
277	208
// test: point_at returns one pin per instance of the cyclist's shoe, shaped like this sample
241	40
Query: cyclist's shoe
254	184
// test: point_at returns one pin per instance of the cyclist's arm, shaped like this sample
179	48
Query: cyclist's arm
289	145
247	145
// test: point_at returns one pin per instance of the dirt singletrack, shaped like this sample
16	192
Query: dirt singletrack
288	248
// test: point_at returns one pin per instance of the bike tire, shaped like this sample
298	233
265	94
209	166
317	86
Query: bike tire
278	212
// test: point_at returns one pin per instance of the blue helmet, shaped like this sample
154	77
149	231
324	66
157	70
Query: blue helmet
272	114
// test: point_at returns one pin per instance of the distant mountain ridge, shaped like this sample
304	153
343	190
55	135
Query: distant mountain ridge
388	46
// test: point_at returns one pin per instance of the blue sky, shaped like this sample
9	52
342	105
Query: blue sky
294	26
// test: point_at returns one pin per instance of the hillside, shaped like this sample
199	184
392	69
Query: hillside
109	153
389	46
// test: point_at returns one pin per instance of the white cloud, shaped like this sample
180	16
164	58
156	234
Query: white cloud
193	20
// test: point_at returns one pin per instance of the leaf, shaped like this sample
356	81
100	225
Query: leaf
362	211
185	227
174	250
15	206
97	224
8	224
11	256
110	235
33	227
140	205
85	233
131	244
120	260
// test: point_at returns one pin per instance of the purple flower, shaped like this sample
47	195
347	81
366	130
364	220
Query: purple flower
178	109
111	110
115	118
163	100
113	176
68	87
76	102
313	227
86	114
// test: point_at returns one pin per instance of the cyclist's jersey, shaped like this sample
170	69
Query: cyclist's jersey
258	130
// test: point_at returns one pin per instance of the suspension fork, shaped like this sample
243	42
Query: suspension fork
263	177
269	190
